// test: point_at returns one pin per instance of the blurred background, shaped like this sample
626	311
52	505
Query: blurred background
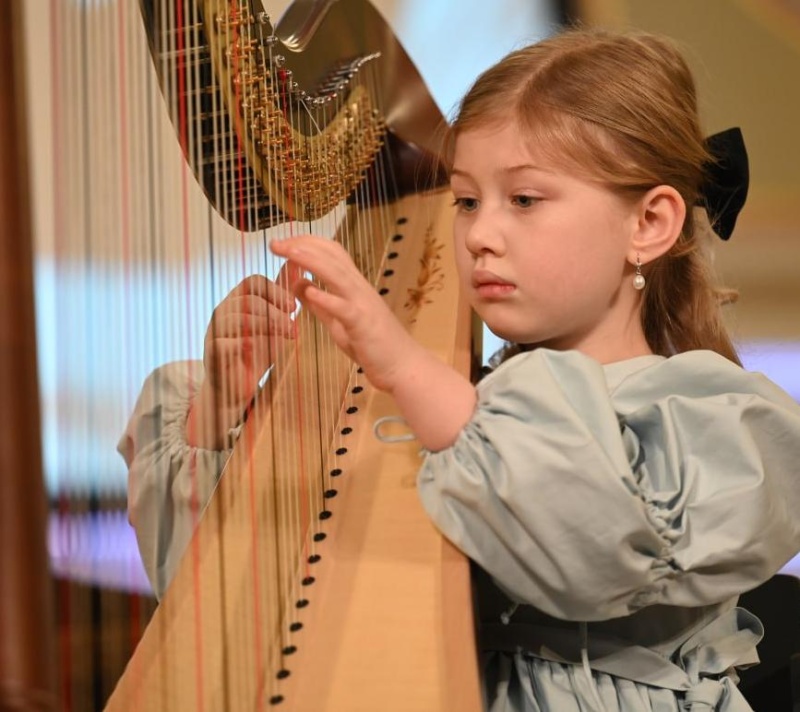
746	58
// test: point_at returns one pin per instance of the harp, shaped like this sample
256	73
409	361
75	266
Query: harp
313	580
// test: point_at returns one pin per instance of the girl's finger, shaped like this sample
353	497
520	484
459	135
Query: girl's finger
236	325
249	305
325	259
328	307
257	285
288	276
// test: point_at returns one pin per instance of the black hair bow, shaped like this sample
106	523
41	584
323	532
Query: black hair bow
727	177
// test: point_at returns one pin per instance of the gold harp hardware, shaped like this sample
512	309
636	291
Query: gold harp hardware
300	139
300	153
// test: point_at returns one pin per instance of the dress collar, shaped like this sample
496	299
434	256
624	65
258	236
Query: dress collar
619	370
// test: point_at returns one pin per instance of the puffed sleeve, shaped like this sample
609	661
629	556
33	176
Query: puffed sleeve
169	482
677	487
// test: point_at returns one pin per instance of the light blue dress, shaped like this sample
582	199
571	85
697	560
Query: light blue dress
614	513
169	482
617	513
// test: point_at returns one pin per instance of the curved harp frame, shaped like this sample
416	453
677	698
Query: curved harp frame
27	643
388	621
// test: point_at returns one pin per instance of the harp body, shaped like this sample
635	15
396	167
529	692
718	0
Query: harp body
388	623
357	603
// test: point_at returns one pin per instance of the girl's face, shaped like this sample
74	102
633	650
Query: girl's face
542	254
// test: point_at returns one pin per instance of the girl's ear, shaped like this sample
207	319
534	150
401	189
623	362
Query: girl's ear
660	220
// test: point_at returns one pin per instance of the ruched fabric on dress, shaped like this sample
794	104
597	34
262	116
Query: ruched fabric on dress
590	493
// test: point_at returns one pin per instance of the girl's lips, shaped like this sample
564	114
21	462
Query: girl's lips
481	277
489	285
494	290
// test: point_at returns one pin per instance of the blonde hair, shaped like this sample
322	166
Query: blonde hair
620	109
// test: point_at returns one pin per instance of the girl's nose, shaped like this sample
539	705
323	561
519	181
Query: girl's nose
484	236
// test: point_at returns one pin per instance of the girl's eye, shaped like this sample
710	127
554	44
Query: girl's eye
466	204
524	201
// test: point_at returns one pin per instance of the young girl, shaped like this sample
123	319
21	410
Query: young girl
618	479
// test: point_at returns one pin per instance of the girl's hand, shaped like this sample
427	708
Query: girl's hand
240	342
354	313
435	400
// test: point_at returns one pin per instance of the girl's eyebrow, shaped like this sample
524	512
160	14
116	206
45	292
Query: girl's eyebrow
457	172
527	167
519	168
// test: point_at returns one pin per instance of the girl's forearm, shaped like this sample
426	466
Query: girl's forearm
434	399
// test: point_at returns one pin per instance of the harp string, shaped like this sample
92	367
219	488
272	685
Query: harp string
287	510
242	210
181	49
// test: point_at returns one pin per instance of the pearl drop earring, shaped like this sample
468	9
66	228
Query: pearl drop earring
638	279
